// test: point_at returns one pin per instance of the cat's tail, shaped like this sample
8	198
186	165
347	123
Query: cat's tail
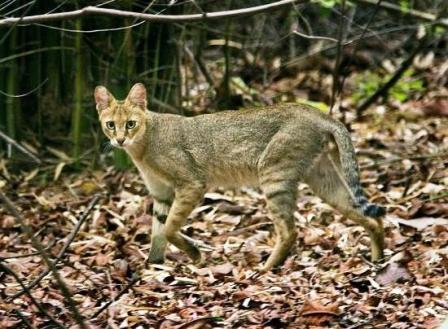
351	172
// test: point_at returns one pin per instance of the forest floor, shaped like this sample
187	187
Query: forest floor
328	280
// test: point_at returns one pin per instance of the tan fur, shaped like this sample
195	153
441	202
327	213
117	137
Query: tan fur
272	148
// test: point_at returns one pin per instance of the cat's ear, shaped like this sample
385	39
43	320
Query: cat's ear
103	98
137	95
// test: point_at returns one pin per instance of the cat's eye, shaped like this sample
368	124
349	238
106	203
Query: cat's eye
110	125
130	124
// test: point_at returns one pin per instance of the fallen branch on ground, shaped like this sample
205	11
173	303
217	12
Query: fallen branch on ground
50	245
412	157
63	250
135	278
9	271
40	248
22	149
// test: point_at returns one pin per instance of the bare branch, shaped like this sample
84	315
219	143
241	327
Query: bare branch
50	245
384	89
355	47
40	248
443	154
22	149
9	271
126	27
24	319
90	10
411	12
63	250
26	93
134	279
336	87
314	37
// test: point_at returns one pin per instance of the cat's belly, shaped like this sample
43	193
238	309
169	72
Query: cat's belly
232	177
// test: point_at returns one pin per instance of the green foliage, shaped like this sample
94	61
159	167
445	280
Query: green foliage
369	82
319	105
328	3
68	65
405	6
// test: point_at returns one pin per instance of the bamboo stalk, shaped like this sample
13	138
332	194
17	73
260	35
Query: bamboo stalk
77	113
11	102
126	60
155	72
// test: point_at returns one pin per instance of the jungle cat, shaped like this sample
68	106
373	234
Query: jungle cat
273	148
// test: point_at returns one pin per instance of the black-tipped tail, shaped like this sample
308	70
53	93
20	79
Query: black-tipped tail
368	209
372	210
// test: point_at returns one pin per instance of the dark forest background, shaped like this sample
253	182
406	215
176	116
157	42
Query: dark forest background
52	68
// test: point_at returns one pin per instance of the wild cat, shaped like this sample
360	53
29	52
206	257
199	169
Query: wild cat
273	148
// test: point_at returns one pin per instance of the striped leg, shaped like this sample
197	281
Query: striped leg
184	202
161	209
327	181
281	202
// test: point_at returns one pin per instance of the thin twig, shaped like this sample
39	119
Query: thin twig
201	66
24	319
22	149
314	37
167	107
134	279
18	20
39	247
27	255
412	157
31	52
90	10
25	93
109	29
376	34
384	89
64	248
411	12
337	65
355	46
7	270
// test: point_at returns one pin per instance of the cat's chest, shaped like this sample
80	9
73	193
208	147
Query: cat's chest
152	178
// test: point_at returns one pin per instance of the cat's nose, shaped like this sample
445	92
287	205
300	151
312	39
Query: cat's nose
120	140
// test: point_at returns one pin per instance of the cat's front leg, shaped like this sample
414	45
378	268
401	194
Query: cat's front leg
161	209
187	197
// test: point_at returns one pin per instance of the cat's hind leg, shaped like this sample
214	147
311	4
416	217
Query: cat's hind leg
327	181
281	202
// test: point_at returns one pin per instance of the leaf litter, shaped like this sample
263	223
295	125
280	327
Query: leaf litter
327	282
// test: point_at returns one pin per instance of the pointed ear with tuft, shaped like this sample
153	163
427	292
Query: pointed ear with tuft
103	98
137	95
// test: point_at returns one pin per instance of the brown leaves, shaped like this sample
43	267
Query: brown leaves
327	282
201	323
396	270
315	314
420	208
436	107
216	270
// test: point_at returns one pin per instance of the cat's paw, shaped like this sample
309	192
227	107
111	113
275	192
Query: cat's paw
195	255
155	258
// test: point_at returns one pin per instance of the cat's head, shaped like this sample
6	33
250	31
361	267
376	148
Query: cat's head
123	122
